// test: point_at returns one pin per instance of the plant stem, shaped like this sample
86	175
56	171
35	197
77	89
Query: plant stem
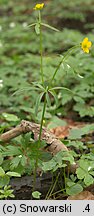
41	49
50	188
39	142
61	190
64	177
53	186
70	51
44	107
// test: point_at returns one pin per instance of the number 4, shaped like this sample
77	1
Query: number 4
87	208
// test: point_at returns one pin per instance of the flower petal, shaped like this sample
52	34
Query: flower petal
89	44
86	50
38	6
86	45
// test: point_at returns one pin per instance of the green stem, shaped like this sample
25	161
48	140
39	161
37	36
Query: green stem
53	186
70	51
50	188
39	142
64	177
44	107
41	49
61	190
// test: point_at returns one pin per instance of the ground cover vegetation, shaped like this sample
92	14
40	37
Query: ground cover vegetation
47	77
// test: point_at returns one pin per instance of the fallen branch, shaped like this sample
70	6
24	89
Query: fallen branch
54	144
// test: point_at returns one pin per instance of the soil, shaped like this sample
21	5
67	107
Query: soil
23	186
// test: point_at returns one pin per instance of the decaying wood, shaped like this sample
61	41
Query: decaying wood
54	144
23	186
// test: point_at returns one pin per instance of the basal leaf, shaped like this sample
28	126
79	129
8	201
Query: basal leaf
2	172
88	180
36	194
75	189
13	174
10	117
81	173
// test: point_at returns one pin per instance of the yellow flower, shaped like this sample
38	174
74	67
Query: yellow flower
86	45
38	6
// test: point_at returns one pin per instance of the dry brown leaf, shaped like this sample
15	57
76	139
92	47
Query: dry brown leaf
63	131
84	195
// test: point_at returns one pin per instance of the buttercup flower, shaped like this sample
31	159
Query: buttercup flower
38	6
86	45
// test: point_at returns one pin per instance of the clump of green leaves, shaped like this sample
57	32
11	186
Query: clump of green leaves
6	192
